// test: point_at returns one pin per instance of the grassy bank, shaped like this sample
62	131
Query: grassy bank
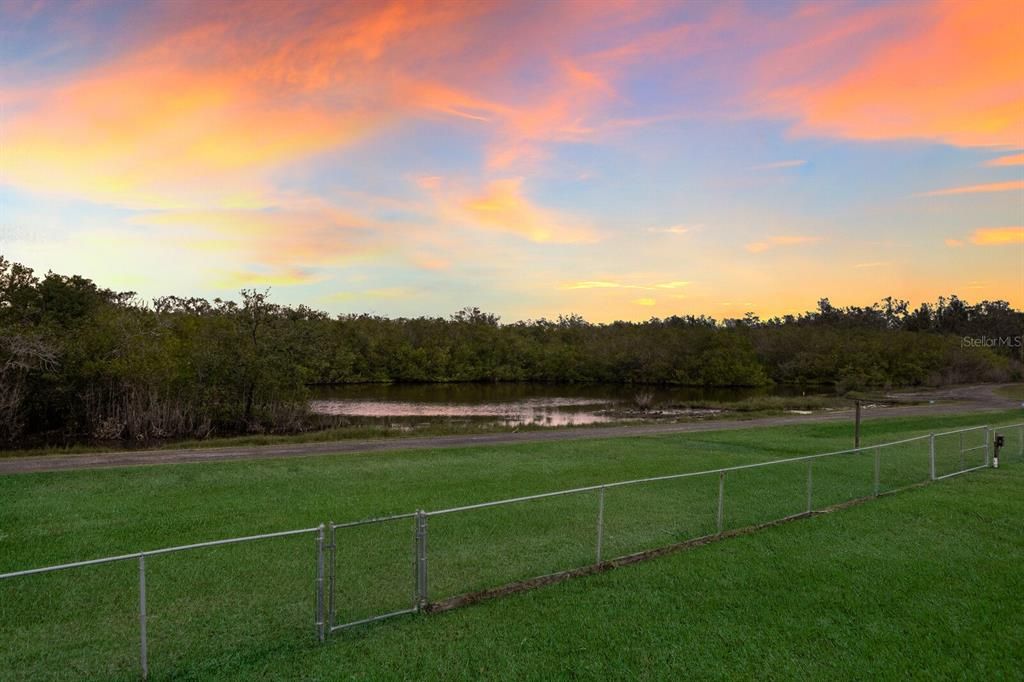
324	435
748	408
903	585
1014	392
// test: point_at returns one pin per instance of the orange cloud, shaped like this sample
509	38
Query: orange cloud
596	284
428	262
562	115
429	182
445	99
998	236
976	189
565	110
504	208
1011	160
605	284
203	114
152	130
783	240
675	229
952	74
954	243
677	40
283	277
212	104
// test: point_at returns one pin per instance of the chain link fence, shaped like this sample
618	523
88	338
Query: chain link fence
103	618
471	551
181	604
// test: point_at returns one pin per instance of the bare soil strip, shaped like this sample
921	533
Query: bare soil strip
982	399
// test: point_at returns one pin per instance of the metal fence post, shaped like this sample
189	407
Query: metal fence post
810	486
600	522
320	583
878	469
421	560
961	450
332	567
988	446
416	560
143	652
721	500
931	455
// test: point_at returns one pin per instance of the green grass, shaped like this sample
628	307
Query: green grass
1014	392
336	433
748	408
772	404
924	583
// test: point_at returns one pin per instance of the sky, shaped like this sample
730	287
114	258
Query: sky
617	160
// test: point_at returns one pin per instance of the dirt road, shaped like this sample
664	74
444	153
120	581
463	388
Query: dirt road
979	399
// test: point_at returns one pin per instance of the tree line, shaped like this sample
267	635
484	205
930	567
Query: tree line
79	362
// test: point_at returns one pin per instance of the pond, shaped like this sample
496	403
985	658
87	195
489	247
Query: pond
516	404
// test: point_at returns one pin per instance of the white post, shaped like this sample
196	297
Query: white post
143	653
931	455
810	486
721	501
320	634
878	469
332	565
421	560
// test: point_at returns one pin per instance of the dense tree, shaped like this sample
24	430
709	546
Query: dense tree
80	362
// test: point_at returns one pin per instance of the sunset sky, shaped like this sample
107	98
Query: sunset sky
620	160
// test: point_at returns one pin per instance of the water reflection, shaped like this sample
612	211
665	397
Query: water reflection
546	411
509	404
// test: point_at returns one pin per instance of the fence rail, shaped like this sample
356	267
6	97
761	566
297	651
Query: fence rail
140	557
157	552
948	454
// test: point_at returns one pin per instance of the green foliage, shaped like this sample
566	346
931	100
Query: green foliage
82	363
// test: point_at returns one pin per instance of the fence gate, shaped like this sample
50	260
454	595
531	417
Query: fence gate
375	569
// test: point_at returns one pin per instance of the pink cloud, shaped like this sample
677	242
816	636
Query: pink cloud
781	240
945	70
1008	186
1011	160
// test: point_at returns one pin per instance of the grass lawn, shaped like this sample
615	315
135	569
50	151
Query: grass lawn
1014	392
923	583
